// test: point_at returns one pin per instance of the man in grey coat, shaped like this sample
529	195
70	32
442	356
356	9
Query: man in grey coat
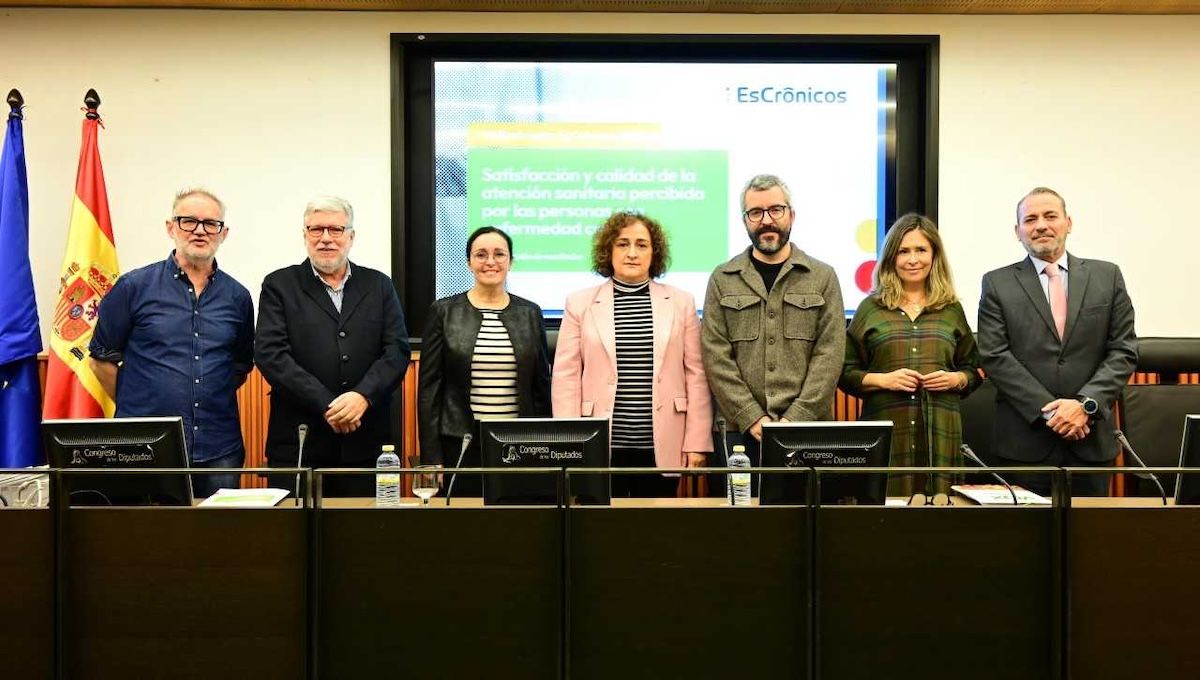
1056	337
774	325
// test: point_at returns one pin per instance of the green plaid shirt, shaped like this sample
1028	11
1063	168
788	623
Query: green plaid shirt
928	429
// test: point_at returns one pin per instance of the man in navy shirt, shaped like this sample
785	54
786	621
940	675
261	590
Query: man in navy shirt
176	338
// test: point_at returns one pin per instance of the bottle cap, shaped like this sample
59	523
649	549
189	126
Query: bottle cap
739	447
389	447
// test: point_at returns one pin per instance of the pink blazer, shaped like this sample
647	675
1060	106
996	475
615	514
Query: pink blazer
585	368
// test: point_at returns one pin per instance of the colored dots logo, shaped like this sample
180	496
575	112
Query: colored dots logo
866	237
868	240
862	275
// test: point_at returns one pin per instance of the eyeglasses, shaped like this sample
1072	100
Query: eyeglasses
483	255
191	224
776	212
939	499
335	231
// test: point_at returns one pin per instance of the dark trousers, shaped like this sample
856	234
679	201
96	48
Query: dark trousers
333	486
649	485
1081	484
204	486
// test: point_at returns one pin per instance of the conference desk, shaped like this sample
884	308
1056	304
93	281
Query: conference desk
667	588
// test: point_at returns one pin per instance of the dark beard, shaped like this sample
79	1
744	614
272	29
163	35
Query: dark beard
762	247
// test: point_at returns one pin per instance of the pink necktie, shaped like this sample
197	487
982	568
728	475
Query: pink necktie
1058	298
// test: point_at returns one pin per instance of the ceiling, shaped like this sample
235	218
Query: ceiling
697	6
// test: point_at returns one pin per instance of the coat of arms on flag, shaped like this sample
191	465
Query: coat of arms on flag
79	301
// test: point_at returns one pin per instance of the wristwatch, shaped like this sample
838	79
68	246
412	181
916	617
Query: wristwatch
1090	406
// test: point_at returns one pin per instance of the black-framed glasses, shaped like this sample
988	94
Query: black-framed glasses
191	224
939	499
335	231
775	211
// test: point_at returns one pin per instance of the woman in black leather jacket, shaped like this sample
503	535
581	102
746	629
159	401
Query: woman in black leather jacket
483	355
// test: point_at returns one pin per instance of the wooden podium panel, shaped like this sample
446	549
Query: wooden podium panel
438	592
1134	577
937	591
184	593
687	592
27	593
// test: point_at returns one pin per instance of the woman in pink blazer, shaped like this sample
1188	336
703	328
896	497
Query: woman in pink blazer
629	350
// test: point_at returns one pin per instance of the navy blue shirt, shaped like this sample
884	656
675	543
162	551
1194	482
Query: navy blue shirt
180	355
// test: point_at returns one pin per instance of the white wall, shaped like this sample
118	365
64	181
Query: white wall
267	108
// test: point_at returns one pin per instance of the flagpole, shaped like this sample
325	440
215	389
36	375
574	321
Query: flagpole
91	101
15	102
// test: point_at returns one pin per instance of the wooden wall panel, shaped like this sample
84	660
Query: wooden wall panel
254	408
846	407
410	441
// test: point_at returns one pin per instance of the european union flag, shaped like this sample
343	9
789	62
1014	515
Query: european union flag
20	336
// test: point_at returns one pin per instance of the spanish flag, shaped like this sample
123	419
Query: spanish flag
89	271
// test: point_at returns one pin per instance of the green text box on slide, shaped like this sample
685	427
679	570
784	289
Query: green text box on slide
551	201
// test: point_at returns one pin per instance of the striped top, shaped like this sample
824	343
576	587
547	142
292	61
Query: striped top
493	370
633	410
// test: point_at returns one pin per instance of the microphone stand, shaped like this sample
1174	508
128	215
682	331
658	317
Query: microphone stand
1120	436
462	451
724	427
970	455
302	433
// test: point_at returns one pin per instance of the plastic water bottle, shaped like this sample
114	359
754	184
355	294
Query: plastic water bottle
387	486
739	482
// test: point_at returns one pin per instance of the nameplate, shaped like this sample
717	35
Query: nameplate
541	455
828	458
112	455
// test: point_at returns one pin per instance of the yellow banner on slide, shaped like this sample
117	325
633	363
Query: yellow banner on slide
563	135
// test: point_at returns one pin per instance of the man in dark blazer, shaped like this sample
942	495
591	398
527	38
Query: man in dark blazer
332	344
1056	337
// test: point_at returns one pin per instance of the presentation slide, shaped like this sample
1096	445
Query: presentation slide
546	151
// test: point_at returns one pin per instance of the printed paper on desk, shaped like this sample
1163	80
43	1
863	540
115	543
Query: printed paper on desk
245	498
996	494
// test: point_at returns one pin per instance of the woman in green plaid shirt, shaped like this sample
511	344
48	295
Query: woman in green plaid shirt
911	356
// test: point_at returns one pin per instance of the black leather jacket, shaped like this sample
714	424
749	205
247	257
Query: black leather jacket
444	387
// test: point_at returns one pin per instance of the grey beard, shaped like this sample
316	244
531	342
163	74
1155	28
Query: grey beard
197	261
327	268
766	249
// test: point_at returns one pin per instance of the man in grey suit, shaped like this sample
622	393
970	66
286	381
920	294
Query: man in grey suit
1057	340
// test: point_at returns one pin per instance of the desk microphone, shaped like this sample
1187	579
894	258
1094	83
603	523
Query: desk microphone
302	433
1143	475
466	442
724	427
970	455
